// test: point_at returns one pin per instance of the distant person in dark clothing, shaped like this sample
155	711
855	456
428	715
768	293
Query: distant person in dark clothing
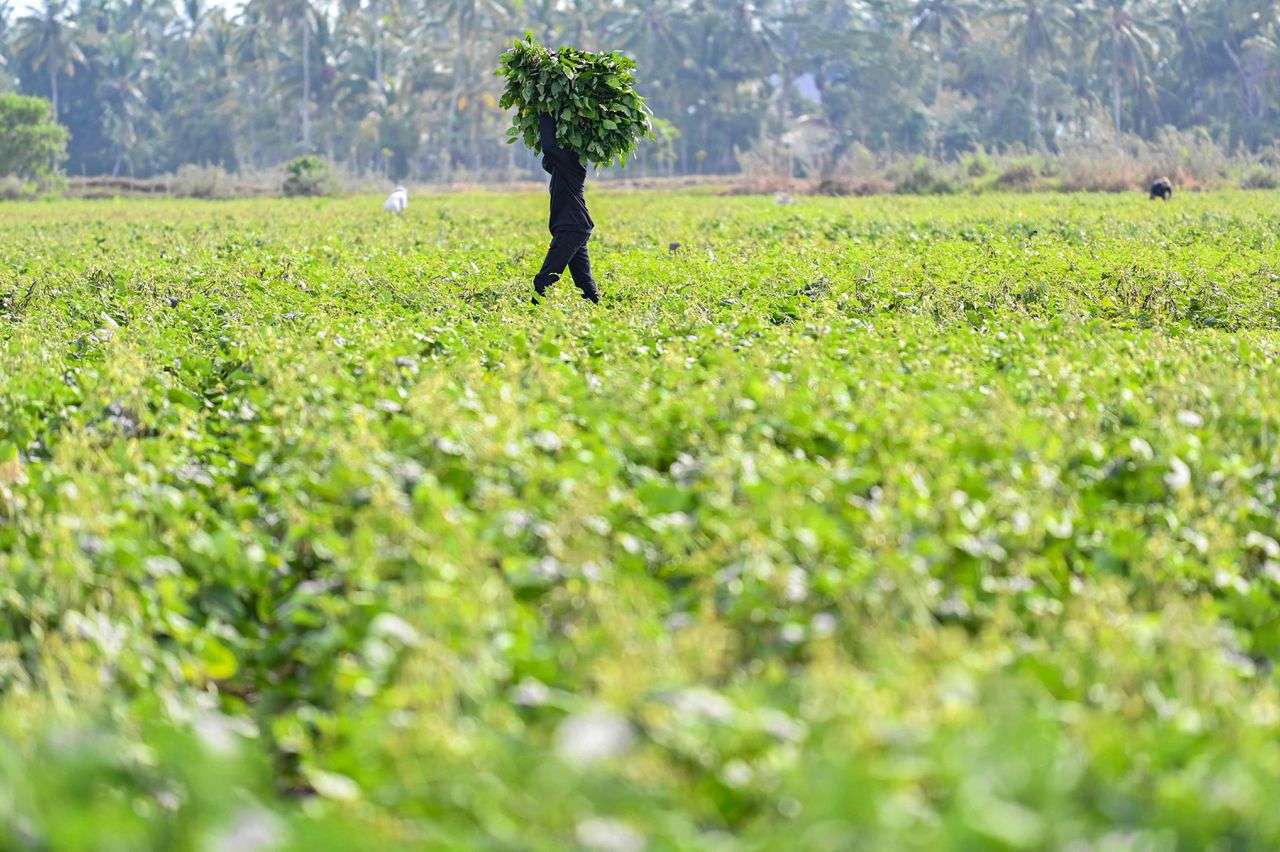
571	224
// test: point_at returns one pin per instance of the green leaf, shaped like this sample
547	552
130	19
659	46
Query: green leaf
590	94
217	662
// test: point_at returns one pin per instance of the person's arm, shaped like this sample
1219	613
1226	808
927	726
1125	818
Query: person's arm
551	148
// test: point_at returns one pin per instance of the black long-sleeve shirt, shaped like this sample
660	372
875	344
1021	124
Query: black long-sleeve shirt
568	182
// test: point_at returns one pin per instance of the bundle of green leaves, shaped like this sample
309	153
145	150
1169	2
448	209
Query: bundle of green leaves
592	96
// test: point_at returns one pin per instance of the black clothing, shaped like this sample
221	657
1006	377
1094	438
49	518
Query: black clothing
568	248
568	182
570	223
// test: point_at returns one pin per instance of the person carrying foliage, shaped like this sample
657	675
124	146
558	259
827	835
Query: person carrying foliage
574	108
570	224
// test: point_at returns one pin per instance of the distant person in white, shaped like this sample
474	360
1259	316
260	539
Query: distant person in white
397	201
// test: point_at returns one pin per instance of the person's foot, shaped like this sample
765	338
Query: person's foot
538	293
592	296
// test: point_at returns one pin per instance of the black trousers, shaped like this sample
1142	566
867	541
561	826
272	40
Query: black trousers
568	248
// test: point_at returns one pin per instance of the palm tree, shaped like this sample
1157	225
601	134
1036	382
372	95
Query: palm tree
375	18
297	15
301	14
580	22
192	18
1190	34
251	46
724	50
193	98
1127	47
1038	28
6	13
123	70
653	31
658	35
49	39
1256	63
147	19
940	19
467	16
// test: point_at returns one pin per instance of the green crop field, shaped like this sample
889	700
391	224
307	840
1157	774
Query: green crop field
889	524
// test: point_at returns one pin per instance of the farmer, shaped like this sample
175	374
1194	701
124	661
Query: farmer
571	224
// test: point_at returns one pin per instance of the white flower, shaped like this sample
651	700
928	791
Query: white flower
1141	449
1179	475
609	835
824	624
388	626
703	702
547	441
253	829
532	693
592	737
1190	419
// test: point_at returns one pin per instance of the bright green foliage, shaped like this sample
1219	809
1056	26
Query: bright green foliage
591	95
891	523
31	142
309	175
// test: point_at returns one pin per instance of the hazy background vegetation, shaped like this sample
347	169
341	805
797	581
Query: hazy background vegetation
404	89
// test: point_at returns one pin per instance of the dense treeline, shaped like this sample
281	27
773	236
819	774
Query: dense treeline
406	87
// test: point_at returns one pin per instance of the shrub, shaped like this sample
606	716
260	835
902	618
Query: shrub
767	159
16	189
834	187
1019	176
871	186
924	177
195	181
309	176
1190	157
1095	169
31	142
1260	177
977	164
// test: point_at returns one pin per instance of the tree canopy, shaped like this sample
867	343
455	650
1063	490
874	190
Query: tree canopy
405	88
30	141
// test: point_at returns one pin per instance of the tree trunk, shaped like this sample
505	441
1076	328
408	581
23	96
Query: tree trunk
53	88
306	86
937	91
1248	88
784	100
476	153
1077	51
455	93
1115	95
254	99
377	44
937	61
1035	109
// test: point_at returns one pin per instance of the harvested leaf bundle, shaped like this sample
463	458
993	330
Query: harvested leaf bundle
591	95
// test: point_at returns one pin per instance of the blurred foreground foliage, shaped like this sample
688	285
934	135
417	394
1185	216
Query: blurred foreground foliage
887	523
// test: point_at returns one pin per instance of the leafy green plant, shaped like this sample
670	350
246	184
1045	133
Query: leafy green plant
892	522
921	176
1019	176
207	181
32	143
309	176
592	96
1260	177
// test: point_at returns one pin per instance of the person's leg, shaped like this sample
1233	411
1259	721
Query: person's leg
563	247
580	267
